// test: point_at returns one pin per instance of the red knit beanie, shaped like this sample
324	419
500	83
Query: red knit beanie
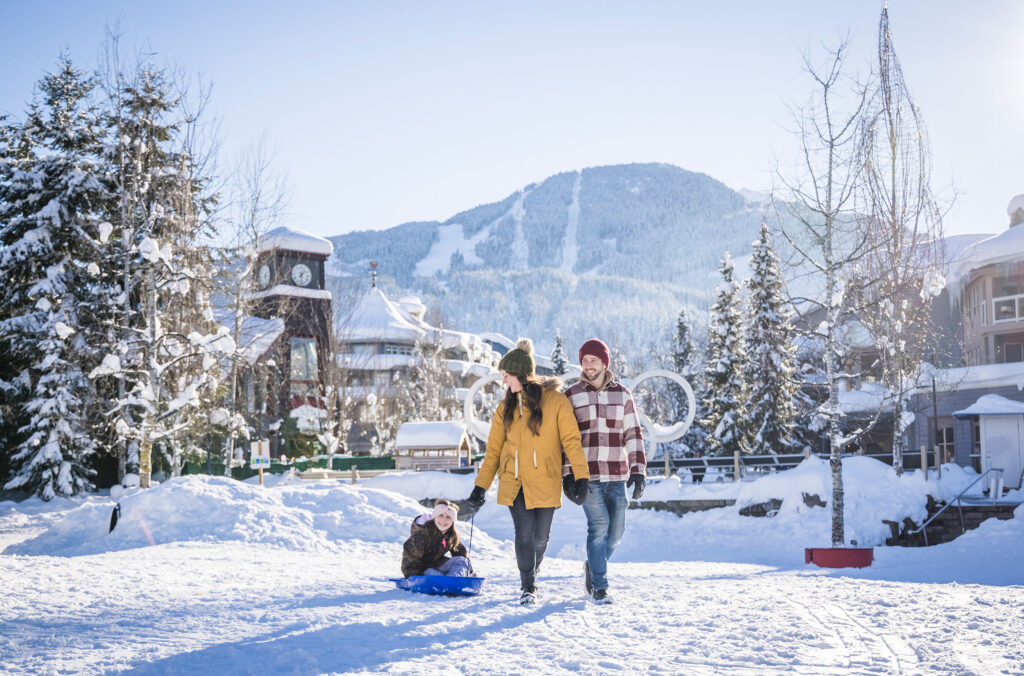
596	347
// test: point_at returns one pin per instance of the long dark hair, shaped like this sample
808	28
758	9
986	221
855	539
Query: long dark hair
531	393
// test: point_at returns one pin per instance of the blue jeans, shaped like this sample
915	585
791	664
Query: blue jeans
457	566
605	505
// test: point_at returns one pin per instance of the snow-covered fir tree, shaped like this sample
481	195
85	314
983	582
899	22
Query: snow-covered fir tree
52	200
618	363
724	393
160	358
685	362
429	386
558	357
770	356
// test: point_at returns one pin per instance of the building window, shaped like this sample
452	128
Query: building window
397	348
362	348
945	443
1005	309
1013	352
305	372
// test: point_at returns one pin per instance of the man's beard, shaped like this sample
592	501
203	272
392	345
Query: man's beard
598	376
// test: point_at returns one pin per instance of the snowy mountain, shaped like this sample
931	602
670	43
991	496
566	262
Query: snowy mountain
613	251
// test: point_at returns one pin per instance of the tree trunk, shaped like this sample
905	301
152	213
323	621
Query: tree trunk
146	452
897	435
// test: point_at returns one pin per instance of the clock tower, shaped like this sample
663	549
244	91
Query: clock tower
289	284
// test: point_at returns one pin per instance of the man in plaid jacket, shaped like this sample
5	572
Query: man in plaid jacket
614	444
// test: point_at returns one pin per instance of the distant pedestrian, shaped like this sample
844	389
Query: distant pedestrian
614	445
531	429
698	470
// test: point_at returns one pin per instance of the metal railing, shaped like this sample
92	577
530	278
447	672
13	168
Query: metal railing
959	506
774	462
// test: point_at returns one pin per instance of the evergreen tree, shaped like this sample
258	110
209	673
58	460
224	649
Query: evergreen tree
161	342
52	197
684	362
770	356
617	363
558	358
724	392
429	388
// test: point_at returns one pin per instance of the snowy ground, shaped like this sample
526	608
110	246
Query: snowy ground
208	575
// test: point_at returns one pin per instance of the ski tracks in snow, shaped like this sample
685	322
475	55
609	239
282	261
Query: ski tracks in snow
847	639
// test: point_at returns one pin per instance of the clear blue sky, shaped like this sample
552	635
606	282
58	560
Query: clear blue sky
385	112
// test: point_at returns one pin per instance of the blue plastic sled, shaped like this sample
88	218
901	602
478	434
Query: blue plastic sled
440	584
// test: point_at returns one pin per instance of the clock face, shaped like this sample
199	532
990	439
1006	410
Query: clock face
301	274
264	276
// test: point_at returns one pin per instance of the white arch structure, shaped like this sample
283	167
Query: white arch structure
676	430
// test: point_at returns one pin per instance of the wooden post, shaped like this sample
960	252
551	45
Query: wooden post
938	462
736	465
668	463
924	461
261	476
355	473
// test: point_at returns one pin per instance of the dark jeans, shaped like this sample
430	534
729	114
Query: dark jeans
605	505
532	526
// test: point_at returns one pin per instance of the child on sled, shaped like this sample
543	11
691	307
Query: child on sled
434	547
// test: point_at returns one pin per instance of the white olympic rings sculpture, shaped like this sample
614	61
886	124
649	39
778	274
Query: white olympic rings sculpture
655	433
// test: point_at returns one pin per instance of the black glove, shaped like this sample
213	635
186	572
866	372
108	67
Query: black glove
476	498
638	482
569	487
581	490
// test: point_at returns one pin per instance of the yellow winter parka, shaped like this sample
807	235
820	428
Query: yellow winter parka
533	462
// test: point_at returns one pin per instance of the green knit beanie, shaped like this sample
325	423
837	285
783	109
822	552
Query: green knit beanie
519	360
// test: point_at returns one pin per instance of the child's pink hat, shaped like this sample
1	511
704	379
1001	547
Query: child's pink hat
450	510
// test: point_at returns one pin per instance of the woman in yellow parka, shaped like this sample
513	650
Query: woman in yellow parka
532	427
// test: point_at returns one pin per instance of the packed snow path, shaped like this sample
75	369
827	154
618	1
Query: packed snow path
292	579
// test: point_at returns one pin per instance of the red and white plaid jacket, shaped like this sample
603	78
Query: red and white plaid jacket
610	430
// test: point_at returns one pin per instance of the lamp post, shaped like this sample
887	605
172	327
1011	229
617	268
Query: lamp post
935	424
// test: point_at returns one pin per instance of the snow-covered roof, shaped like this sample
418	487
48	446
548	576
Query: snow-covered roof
1001	248
255	335
376	317
289	290
498	339
294	239
853	334
437	434
413	306
307	411
373	362
866	398
1015	204
976	377
992	404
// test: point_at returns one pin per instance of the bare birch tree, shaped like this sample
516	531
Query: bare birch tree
258	203
814	205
